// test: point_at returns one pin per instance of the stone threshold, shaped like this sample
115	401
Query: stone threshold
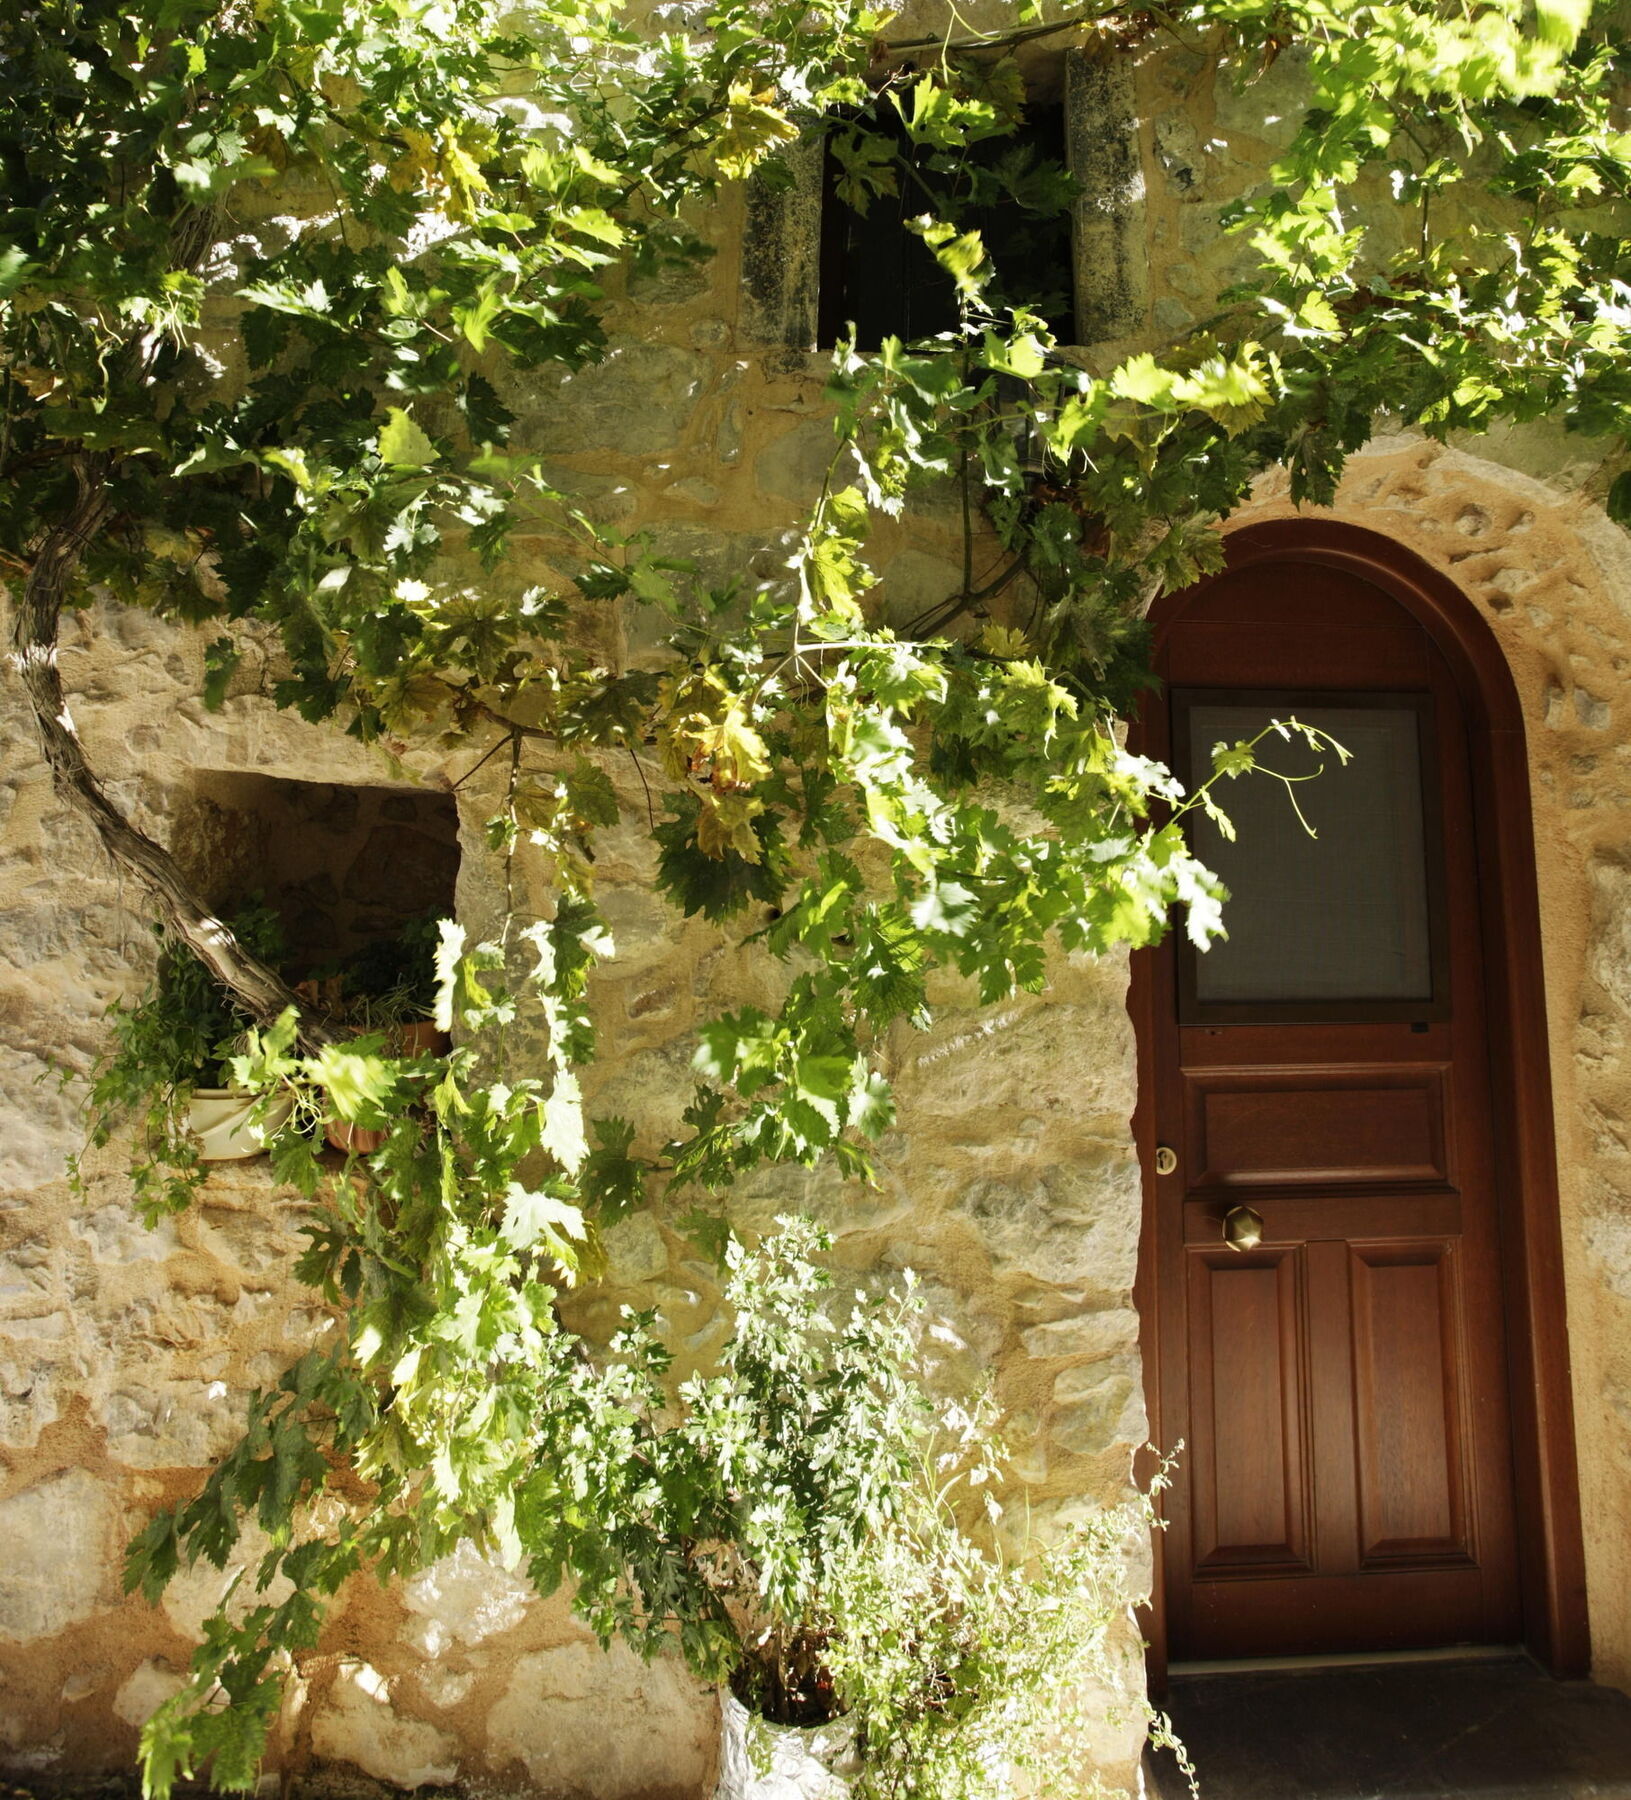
1456	1727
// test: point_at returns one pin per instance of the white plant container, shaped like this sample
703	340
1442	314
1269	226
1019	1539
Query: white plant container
222	1121
759	1761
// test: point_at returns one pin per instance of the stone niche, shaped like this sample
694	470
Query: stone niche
345	866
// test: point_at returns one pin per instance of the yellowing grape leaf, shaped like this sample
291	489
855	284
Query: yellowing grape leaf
403	444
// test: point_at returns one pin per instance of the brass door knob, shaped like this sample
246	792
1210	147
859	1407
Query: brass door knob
1166	1160
1242	1228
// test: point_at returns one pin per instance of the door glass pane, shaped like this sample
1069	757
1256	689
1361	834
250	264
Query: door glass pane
1343	914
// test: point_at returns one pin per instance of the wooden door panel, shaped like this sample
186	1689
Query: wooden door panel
1414	1474
1277	598
1313	1615
1221	656
1249	1395
1316	1125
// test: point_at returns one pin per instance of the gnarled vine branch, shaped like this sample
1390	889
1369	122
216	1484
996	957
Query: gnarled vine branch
261	992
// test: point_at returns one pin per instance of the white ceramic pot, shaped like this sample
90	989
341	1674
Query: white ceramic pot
778	1762
221	1121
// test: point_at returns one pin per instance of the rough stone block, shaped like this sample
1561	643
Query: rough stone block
794	465
36	1327
26	1272
643	927
915	586
1110	254
1268	105
58	1554
637	402
1593	713
169	1424
444	1688
1047	1058
116	1235
465	1598
196	1592
1075	1223
650	1089
252	1241
44	1125
635	1251
1610	956
355	1723
145	1690
1090	1335
1098	1407
604	1725
781	254
28	1399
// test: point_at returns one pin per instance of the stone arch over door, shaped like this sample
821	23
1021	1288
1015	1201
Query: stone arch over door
1532	1289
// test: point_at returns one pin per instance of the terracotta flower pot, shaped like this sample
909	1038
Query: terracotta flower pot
220	1119
353	1137
418	1037
413	1037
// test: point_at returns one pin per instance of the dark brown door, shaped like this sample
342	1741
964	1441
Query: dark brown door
1339	1388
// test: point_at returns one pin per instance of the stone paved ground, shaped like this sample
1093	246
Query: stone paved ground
1486	1730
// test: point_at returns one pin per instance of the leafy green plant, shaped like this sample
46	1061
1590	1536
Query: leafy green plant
401	966
309	426
966	1671
741	1535
389	981
181	1033
803	1493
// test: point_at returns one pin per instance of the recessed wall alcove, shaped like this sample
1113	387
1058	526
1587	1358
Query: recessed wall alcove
344	865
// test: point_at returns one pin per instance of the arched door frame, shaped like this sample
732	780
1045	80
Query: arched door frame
1551	1553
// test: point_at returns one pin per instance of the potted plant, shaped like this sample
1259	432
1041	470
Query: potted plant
782	1729
385	988
169	1067
759	1760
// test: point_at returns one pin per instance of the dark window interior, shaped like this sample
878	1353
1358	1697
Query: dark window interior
882	276
346	868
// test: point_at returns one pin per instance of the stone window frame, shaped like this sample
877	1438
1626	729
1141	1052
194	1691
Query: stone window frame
781	241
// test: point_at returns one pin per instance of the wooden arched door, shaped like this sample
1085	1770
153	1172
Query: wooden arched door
1343	1386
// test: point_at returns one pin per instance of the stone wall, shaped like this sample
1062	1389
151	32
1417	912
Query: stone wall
125	1355
1011	1184
1011	1187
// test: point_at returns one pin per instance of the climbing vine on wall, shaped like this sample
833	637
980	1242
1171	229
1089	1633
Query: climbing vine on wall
270	274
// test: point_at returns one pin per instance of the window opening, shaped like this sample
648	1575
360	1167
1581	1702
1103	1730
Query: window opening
879	274
356	875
